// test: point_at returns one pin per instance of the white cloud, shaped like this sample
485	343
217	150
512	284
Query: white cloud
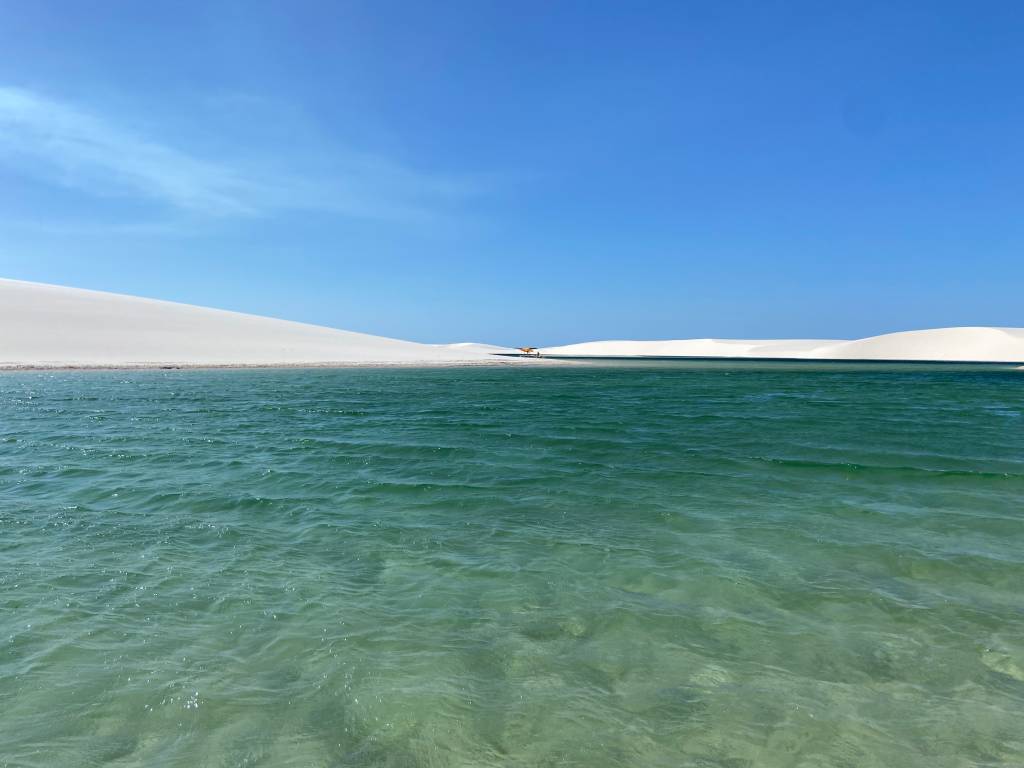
71	147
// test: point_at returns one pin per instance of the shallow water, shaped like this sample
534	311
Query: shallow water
583	566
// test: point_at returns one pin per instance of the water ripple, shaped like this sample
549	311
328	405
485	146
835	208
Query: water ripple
491	567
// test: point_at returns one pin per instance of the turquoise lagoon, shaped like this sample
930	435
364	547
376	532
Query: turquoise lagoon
643	565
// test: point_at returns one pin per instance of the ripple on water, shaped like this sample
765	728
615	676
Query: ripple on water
658	567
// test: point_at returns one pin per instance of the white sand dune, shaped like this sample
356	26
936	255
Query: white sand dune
975	344
48	326
972	344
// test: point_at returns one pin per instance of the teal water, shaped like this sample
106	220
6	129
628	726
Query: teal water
581	566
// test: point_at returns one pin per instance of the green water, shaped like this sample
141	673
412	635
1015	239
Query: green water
583	566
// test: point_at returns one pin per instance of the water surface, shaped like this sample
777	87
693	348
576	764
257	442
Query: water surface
581	566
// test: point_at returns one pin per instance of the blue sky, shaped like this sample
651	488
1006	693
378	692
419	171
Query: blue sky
524	172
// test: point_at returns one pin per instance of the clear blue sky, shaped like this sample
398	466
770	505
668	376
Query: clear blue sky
524	172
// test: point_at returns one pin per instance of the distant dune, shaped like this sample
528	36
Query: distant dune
976	345
47	326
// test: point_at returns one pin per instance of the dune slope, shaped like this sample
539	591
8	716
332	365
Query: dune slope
51	326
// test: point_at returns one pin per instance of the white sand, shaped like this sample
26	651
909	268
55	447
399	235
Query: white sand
47	326
1005	345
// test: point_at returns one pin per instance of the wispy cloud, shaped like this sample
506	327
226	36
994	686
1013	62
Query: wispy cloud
76	148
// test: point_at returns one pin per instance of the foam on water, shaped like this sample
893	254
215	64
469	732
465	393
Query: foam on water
592	566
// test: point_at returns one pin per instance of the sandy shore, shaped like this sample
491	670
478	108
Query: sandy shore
53	327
